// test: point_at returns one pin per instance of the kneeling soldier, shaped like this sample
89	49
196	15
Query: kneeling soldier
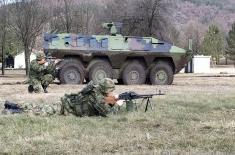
39	74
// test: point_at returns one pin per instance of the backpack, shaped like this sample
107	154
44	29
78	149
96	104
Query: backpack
12	108
73	103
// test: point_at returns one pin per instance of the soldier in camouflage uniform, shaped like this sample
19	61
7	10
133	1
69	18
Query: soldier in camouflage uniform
40	75
93	100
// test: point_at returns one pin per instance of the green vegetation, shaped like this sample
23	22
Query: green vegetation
196	116
193	122
231	43
213	43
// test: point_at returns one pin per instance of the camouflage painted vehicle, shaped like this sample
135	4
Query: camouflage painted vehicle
130	60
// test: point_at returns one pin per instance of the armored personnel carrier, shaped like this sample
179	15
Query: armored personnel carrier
129	59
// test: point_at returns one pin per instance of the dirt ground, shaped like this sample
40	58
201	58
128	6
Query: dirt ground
12	87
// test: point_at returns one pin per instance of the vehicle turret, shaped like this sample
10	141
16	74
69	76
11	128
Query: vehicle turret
114	27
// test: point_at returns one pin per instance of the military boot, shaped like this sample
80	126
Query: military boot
30	89
45	89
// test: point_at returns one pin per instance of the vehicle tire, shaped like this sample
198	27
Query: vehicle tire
71	72
134	73
99	70
161	74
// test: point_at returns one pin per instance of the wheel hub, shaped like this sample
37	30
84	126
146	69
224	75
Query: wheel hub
134	75
161	76
72	76
100	74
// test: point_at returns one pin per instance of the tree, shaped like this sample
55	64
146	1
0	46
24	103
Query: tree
141	17
72	16
230	51
27	20
3	32
213	43
86	18
152	15
173	35
62	15
194	31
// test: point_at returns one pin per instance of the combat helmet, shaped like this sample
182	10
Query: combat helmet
107	85
40	56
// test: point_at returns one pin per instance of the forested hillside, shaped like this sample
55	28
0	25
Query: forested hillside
193	17
204	12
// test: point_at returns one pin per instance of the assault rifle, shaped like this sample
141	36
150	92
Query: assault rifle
50	59
129	96
50	66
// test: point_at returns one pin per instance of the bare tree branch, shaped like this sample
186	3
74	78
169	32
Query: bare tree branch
27	20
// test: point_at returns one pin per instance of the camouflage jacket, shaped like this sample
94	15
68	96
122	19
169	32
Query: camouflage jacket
88	102
37	71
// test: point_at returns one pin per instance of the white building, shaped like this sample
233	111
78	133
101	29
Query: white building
19	60
201	64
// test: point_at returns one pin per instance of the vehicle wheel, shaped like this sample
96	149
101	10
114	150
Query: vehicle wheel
72	72
134	73
161	74
100	70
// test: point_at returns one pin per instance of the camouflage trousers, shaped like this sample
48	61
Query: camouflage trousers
33	109
38	83
41	110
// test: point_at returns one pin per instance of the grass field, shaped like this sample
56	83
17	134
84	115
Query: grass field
196	116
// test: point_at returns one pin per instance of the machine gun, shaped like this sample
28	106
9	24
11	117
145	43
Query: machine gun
114	27
129	96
